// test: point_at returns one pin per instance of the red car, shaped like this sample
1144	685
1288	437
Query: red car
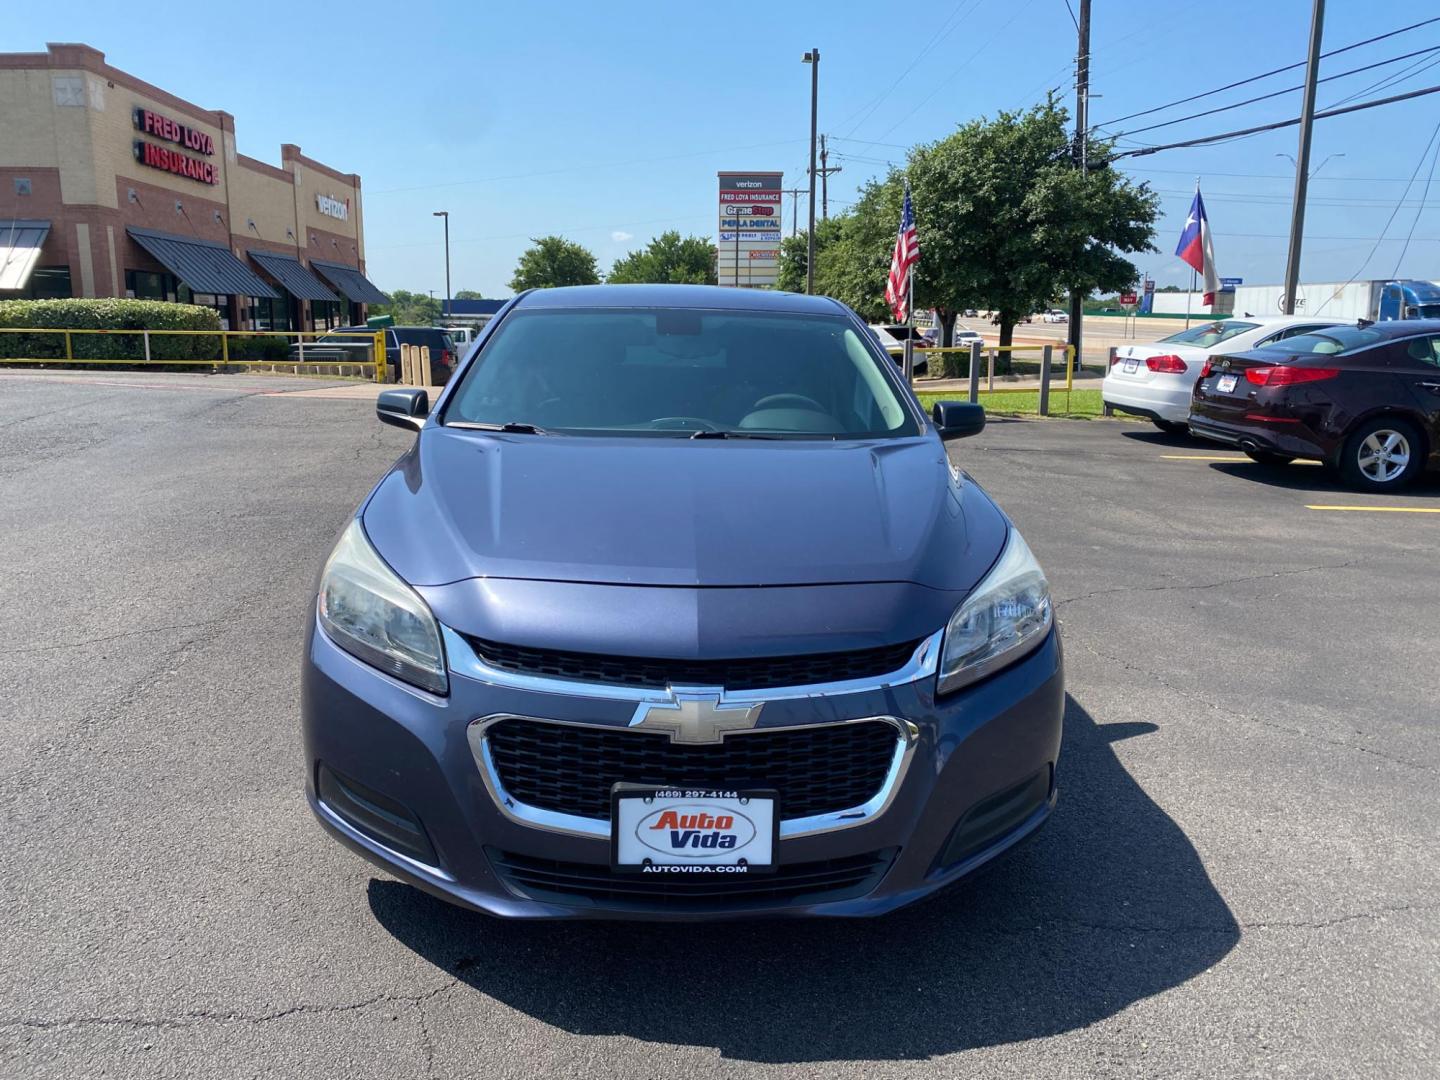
1363	399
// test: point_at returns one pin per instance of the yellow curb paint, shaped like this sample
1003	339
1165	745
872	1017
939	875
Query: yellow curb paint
1382	509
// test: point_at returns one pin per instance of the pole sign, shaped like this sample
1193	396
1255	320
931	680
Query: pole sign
1227	284
1129	299
750	227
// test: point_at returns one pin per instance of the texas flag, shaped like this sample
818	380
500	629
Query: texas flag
1197	248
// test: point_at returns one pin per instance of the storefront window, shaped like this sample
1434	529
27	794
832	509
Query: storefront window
327	314
148	285
46	283
268	314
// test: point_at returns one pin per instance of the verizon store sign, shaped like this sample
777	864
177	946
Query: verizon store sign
340	211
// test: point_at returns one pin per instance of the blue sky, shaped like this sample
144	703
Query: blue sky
607	122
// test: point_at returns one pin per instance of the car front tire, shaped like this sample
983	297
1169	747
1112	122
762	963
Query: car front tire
1383	454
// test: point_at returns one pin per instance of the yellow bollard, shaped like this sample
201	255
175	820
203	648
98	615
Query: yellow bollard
422	376
382	362
404	365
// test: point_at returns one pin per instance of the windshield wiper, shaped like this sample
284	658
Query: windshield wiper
516	427
703	434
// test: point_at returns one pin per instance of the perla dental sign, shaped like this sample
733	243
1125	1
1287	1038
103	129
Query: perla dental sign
333	207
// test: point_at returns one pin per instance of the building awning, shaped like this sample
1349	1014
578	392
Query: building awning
287	270
350	281
20	243
205	266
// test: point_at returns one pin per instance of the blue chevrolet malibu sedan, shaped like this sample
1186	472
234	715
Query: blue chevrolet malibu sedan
676	608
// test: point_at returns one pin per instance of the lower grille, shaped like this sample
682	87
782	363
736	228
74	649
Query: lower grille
570	769
809	882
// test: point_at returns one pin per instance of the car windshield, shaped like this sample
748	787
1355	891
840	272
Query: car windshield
679	372
1210	333
1331	341
346	337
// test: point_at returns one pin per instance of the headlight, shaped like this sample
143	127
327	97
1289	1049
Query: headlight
1007	615
376	617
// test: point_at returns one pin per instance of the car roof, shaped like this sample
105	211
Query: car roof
713	297
1406	327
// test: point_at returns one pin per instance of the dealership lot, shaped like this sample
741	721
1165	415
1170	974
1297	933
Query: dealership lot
1240	879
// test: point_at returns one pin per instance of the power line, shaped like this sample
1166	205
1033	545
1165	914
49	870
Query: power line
1268	74
1227	135
1420	208
1380	239
1277	93
949	26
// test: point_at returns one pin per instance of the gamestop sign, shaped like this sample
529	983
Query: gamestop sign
335	208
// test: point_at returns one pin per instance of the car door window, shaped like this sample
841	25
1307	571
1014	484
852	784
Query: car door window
1289	332
1426	350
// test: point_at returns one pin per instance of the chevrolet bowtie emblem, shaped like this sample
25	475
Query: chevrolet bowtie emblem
696	715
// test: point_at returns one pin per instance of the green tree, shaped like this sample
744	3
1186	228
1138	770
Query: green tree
1006	223
469	294
667	258
795	254
553	261
409	308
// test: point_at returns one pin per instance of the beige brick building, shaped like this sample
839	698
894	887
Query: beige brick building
110	186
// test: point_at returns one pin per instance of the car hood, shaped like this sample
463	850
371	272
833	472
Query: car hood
466	504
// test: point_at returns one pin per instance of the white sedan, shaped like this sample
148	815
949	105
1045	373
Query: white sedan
1156	380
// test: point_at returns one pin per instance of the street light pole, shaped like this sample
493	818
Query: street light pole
813	59
1302	163
446	215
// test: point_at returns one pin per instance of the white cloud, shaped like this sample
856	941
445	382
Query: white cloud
620	236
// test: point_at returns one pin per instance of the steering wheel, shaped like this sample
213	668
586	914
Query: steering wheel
782	401
683	423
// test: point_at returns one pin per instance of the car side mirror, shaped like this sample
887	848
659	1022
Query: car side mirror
403	408
958	419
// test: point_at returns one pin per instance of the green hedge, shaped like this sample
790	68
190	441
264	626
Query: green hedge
108	314
260	347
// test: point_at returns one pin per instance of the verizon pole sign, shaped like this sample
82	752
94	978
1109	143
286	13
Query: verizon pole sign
748	252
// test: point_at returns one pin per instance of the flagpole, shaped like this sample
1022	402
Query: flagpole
1190	296
910	324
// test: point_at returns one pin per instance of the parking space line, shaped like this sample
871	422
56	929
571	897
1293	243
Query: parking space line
1381	509
1218	457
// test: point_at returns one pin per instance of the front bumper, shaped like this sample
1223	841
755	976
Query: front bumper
979	777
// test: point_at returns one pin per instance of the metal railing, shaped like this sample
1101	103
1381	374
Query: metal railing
982	362
63	346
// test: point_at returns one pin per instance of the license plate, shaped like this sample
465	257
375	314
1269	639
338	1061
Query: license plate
1131	366
673	832
1225	384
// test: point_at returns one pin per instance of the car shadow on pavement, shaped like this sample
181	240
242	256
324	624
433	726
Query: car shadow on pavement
1305	476
1109	904
1155	437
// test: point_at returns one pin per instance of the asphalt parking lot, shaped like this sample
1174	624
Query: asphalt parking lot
1241	878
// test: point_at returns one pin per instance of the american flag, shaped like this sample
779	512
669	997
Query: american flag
907	254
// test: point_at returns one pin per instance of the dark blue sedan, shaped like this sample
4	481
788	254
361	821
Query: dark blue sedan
676	608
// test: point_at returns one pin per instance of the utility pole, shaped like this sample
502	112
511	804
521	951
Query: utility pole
794	193
1080	150
813	59
446	215
825	171
1302	163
